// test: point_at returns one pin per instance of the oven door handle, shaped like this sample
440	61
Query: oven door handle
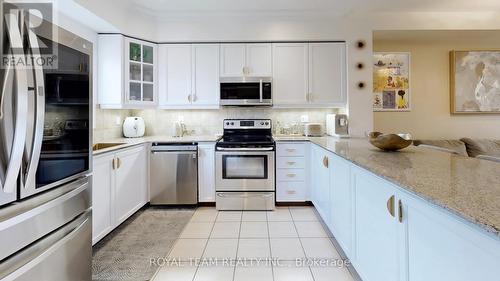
245	149
239	195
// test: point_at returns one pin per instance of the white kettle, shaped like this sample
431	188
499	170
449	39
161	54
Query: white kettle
134	127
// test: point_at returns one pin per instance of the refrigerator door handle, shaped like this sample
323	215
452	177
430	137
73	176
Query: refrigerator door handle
16	155
39	91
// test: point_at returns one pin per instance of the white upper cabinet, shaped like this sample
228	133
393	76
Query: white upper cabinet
290	73
327	74
232	60
206	75
238	60
175	73
140	73
189	75
127	72
259	59
309	74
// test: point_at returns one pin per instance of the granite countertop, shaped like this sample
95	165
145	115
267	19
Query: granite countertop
467	187
128	142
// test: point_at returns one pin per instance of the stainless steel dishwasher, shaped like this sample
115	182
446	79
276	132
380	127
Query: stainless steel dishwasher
174	174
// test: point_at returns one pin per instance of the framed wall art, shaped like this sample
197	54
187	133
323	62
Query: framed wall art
391	81
475	82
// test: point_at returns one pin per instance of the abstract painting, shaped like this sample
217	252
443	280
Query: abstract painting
475	82
391	81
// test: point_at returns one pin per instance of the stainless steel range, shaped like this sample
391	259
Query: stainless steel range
245	161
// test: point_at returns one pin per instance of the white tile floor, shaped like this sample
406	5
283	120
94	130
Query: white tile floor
239	239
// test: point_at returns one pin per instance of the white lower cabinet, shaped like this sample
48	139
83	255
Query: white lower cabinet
376	255
342	203
120	188
390	234
320	181
292	172
206	172
440	247
102	196
131	190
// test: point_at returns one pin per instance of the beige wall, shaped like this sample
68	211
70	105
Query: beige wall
430	116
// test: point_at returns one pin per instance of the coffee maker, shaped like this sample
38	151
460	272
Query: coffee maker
337	125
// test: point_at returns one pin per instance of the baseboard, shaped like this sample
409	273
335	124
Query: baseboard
206	204
291	204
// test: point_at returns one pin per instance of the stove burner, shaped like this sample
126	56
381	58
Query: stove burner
255	133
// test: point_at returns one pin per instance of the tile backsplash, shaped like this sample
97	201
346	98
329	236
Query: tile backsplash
105	126
201	122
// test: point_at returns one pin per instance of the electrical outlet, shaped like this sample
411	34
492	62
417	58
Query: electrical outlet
118	120
304	118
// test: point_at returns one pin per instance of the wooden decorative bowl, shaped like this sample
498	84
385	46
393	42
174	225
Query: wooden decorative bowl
390	142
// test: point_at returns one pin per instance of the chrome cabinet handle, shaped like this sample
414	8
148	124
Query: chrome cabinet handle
16	154
119	163
290	149
29	180
290	163
390	205
291	192
113	163
291	175
189	98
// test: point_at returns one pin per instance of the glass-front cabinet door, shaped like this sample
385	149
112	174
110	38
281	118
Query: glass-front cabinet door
140	73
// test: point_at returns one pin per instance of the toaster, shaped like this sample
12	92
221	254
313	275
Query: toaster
133	127
313	130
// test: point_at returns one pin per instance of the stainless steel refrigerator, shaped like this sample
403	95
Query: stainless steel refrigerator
45	152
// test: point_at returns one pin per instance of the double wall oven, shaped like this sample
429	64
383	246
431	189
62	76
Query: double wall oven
45	155
245	166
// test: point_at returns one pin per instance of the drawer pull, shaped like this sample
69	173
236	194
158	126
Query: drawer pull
290	175
291	192
325	161
291	163
290	149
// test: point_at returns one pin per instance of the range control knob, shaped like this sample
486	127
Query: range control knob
267	123
261	123
232	123
227	123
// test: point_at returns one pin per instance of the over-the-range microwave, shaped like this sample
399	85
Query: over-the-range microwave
246	91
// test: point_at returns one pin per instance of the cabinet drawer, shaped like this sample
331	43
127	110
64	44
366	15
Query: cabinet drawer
291	175
291	149
290	163
291	191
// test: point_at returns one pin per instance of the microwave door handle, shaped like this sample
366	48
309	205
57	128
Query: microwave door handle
260	90
16	155
34	158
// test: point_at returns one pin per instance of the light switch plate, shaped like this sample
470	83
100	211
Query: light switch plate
118	120
304	118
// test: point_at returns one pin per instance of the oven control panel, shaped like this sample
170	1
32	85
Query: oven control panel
247	123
